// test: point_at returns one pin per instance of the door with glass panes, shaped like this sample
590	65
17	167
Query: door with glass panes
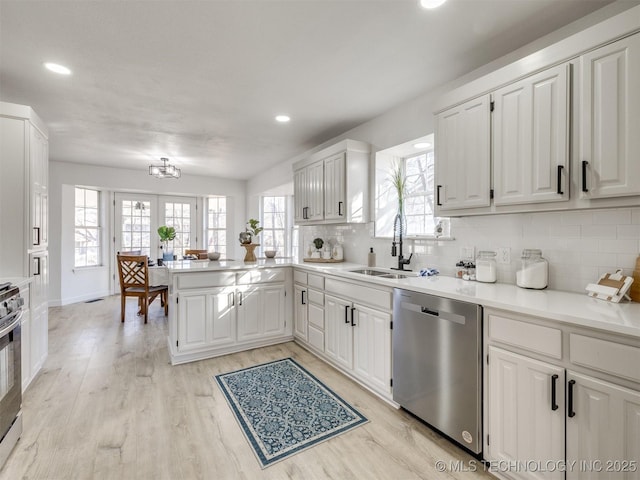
138	216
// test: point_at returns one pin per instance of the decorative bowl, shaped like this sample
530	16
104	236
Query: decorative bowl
213	255
270	253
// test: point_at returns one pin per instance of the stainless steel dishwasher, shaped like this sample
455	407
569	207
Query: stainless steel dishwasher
437	363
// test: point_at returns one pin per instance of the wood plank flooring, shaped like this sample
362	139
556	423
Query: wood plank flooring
108	405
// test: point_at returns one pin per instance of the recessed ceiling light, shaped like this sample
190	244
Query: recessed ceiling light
282	118
422	145
431	3
54	67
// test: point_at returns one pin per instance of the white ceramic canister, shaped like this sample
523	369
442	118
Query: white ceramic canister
486	268
533	271
338	252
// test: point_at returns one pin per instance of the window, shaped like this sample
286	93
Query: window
135	225
217	225
180	214
418	169
87	228
275	223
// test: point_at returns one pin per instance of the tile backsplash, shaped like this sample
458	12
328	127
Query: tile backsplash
579	245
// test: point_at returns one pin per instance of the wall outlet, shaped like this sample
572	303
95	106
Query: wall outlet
503	255
467	253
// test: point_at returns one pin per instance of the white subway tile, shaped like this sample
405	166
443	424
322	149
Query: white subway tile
612	217
577	218
598	259
625	245
635	216
565	231
628	231
599	231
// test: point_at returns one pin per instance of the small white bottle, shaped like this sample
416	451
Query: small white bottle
486	267
372	258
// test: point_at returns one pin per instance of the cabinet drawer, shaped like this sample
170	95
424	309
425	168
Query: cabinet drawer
315	281
300	277
268	275
208	279
369	296
316	338
316	316
536	338
316	297
610	357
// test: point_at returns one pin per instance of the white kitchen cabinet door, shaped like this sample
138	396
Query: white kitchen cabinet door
39	197
372	347
315	191
338	331
192	321
610	120
526	421
25	346
250	324
603	429
273	310
205	319
300	312
531	139
300	195
462	155
335	187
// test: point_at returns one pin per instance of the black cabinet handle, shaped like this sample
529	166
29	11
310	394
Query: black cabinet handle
340	208
554	379
559	190
346	313
305	215
353	309
570	411
37	260
240	299
584	176
438	195
303	292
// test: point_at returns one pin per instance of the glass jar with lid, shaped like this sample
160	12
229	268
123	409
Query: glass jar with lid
533	271
486	268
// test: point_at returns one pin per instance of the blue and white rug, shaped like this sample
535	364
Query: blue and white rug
283	409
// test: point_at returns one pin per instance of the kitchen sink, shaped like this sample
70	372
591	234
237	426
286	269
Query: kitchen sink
368	271
393	275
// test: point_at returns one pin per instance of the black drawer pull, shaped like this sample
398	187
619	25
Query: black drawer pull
346	313
353	309
438	195
584	176
570	411
554	379
340	208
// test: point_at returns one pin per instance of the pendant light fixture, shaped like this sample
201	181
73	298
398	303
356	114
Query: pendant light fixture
166	170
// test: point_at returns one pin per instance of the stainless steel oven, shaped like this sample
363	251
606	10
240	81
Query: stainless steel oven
10	369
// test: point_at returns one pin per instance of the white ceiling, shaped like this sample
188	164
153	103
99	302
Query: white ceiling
200	81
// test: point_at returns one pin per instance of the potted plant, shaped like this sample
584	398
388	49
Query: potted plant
166	234
253	230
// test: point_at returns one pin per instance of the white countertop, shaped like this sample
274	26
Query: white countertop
571	308
20	282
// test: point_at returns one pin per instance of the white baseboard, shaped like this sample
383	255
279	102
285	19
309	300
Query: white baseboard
81	298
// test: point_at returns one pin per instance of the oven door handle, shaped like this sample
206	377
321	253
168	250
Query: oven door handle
12	325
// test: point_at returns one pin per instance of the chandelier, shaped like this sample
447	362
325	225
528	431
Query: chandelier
166	170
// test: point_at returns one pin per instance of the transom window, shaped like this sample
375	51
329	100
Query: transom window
87	228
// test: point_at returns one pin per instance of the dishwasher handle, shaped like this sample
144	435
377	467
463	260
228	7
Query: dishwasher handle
426	310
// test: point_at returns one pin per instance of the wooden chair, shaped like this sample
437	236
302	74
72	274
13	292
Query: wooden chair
134	282
201	254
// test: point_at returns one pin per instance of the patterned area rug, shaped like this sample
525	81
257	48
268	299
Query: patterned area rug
283	409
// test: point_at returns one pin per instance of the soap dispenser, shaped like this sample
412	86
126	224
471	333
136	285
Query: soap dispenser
372	258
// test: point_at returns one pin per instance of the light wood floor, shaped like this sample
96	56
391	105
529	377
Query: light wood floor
108	404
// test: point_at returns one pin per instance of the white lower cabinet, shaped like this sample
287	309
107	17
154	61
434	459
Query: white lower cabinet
544	417
206	318
358	339
526	411
260	312
300	314
603	429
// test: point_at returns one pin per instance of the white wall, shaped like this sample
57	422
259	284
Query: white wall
69	285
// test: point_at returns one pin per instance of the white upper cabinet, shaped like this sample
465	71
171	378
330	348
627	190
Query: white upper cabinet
335	187
331	186
610	128
531	139
462	150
